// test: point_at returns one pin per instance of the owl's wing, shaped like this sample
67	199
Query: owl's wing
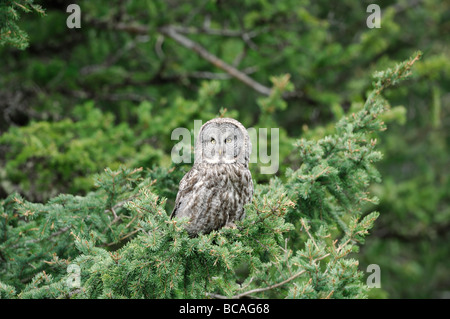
184	188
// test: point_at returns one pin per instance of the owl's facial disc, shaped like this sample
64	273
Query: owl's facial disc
210	144
231	146
221	143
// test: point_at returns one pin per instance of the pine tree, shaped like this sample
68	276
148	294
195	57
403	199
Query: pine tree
10	33
298	239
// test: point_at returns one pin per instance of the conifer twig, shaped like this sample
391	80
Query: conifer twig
172	33
57	233
306	227
269	287
257	290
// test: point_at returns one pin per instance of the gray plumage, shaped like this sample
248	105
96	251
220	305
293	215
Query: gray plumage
213	193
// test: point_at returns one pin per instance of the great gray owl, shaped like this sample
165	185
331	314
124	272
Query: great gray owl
213	193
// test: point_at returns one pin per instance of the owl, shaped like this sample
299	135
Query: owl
213	193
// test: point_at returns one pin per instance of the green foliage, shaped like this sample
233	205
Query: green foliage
126	246
48	158
10	33
337	169
109	94
34	234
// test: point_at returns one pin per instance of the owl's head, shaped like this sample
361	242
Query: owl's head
223	140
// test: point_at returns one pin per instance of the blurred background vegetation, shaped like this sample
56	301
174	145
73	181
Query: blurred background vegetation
110	93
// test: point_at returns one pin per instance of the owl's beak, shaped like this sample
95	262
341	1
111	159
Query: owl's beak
220	152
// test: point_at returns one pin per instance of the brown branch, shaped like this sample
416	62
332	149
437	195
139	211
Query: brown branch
281	283
217	296
33	241
116	206
174	32
219	32
216	76
270	287
171	32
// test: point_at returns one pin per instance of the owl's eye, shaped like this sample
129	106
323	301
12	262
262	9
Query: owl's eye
228	140
213	141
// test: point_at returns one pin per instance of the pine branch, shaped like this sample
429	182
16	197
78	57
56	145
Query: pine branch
258	290
10	33
175	33
171	32
160	260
